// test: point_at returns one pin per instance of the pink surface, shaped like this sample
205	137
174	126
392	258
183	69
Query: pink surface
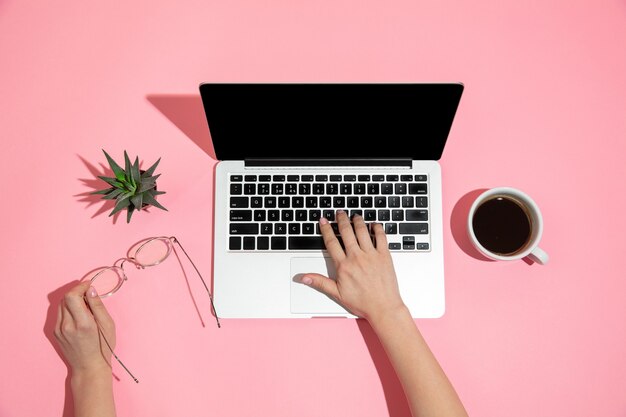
543	110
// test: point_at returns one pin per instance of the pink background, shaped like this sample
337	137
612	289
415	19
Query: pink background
544	110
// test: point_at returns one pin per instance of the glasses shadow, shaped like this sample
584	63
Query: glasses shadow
95	184
458	224
186	112
193	299
397	404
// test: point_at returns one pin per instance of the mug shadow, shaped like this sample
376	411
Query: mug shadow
458	224
397	404
186	112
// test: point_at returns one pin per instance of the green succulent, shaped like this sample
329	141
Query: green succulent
131	188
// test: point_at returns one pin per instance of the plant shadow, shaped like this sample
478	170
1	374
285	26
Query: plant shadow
186	112
397	404
96	184
458	224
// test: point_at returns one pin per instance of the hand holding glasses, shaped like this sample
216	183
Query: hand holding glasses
148	252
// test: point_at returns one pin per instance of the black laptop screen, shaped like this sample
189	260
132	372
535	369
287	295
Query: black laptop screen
277	121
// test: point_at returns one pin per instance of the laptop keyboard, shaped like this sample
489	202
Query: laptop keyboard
282	212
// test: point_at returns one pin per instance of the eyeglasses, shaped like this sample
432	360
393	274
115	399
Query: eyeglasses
147	252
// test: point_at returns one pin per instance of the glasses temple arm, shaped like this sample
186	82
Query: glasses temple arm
201	279
115	356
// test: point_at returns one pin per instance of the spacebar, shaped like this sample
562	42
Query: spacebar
306	242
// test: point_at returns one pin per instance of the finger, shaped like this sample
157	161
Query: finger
74	302
321	283
346	232
381	238
57	325
362	233
330	241
98	309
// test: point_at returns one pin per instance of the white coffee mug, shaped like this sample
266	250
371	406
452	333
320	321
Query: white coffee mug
531	248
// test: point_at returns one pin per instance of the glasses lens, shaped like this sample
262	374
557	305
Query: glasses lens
107	280
153	251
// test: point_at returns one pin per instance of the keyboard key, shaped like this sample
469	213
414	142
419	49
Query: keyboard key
421	178
378	178
384	215
280	229
291	188
244	229
355	212
235	189
279	243
234	243
308	228
304	188
259	215
284	202
397	215
367	202
406	177
345	188
421	201
306	178
318	188
391	228
311	202
407	202
305	242
263	188
349	178
370	215
393	201
408	242
325	202
239	202
270	202
339	202
287	215
331	188
386	188
329	214
400	188
335	178
301	215
240	215
314	215
250	177
321	178
373	188
262	242
277	189
359	188
380	201
293	178
278	178
294	228
273	215
297	202
265	178
236	178
395	246
422	246
352	202
256	202
248	243
392	177
267	228
413	228
249	189
364	178
417	215
415	188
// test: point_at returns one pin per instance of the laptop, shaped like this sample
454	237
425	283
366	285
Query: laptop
291	153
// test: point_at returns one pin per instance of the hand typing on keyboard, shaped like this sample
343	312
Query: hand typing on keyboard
366	283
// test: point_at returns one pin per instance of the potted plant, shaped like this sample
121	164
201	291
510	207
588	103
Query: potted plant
132	188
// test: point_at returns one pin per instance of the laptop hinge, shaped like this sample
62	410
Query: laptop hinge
357	162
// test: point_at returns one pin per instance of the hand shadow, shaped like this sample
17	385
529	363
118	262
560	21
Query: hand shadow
397	404
187	113
96	184
458	224
54	298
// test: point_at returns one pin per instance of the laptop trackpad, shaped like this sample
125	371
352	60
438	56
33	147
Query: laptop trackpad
306	300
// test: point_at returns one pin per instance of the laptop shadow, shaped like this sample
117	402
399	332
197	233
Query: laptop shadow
397	404
186	112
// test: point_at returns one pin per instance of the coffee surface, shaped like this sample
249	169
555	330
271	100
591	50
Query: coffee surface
502	226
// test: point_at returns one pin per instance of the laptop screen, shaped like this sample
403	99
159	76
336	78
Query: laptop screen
296	121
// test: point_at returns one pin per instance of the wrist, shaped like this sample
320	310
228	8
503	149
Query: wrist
101	374
389	316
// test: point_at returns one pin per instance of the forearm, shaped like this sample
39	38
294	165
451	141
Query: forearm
93	394
426	386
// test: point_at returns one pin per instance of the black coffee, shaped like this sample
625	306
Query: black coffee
502	225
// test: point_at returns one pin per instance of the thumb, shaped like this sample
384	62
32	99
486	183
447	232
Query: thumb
322	284
97	307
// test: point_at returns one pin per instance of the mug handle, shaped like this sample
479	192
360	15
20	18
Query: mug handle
539	255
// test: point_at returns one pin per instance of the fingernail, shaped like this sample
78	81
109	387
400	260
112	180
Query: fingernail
340	212
323	220
306	280
92	292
